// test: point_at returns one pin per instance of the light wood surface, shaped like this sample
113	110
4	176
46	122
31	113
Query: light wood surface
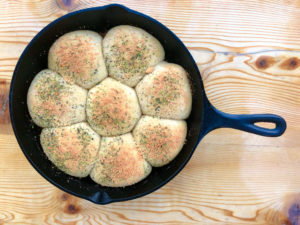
248	53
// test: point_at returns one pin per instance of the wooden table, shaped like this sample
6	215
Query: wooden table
249	56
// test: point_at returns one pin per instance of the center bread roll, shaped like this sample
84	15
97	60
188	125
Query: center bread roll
112	108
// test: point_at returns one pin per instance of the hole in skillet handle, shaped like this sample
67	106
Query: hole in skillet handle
213	119
265	125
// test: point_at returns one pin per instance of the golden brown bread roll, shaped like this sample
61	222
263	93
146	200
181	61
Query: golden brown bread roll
112	108
159	140
165	92
129	52
52	102
72	149
119	163
77	56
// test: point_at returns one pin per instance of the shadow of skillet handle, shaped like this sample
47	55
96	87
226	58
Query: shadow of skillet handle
67	4
214	118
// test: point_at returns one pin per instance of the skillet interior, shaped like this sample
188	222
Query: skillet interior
34	59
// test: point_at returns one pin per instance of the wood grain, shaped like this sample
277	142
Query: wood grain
249	56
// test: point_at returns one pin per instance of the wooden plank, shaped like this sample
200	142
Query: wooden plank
248	54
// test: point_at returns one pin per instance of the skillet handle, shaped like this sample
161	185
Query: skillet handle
216	119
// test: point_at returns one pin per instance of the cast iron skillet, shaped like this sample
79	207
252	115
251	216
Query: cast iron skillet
204	117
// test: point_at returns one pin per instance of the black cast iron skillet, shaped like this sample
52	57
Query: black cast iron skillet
204	117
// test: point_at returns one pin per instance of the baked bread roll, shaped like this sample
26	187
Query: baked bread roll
72	149
165	92
77	56
52	102
159	140
119	163
112	108
129	52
